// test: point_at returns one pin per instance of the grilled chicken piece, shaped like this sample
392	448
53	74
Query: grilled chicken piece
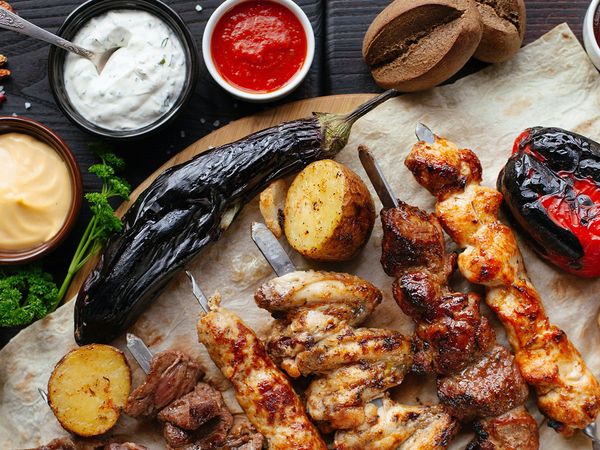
476	377
172	375
515	430
312	306
261	389
567	392
398	427
314	334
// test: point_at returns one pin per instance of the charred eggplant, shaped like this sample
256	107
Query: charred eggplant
189	206
551	187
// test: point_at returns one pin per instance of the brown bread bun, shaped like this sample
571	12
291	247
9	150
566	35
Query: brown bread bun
417	44
503	29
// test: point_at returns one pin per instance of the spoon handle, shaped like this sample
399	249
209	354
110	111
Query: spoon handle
13	22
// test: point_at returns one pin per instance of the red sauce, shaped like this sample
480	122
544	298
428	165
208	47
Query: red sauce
596	25
258	46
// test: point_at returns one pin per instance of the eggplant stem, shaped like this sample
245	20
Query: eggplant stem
371	104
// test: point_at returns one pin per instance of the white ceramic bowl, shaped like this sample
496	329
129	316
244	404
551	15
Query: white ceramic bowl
589	39
284	90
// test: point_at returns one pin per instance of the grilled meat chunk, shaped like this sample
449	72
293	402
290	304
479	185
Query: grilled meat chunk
243	436
488	388
398	427
194	409
261	389
66	443
476	377
450	333
514	430
172	375
567	392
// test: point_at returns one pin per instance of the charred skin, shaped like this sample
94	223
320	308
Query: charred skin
262	390
189	206
567	392
551	188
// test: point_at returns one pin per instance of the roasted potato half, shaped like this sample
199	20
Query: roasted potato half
329	212
271	204
88	389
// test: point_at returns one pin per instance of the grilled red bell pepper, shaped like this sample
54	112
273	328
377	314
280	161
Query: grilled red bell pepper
551	187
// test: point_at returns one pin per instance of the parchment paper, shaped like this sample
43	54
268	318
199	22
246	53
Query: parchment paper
550	83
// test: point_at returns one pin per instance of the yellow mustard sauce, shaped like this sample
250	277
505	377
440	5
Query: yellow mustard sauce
35	192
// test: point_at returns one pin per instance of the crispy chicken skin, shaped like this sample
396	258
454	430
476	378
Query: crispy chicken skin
477	378
316	314
311	306
399	427
261	389
567	392
172	374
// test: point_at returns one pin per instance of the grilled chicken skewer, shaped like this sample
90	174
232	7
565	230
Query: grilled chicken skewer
261	389
477	378
314	334
567	392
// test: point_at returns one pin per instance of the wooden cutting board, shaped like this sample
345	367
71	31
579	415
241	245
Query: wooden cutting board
232	132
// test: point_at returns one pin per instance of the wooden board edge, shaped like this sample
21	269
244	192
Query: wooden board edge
229	133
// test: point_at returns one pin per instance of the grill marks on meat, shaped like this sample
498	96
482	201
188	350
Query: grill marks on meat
476	377
400	427
261	389
488	388
172	375
314	334
515	430
194	409
567	392
193	413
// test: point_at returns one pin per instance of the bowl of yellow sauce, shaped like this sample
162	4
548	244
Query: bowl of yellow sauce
40	190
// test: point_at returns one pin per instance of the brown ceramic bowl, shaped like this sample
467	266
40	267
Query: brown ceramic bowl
37	130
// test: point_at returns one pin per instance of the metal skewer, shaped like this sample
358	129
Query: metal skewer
202	300
273	252
378	180
140	351
43	394
424	133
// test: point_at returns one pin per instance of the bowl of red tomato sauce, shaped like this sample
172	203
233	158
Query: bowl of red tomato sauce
258	50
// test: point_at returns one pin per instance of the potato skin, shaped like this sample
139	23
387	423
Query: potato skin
88	388
271	203
354	222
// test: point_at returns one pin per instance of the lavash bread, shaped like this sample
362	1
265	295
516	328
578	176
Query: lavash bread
503	29
415	45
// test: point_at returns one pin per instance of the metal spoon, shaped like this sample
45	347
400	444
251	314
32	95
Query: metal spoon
11	21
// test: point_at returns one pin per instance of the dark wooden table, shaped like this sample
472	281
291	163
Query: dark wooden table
338	68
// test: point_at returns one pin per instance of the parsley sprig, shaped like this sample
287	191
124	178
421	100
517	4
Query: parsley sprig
103	222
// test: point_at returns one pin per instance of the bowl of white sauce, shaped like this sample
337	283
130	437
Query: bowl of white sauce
145	83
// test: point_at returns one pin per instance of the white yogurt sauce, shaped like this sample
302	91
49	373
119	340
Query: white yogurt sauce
142	79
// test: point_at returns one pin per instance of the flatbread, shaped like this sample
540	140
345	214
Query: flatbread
551	82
